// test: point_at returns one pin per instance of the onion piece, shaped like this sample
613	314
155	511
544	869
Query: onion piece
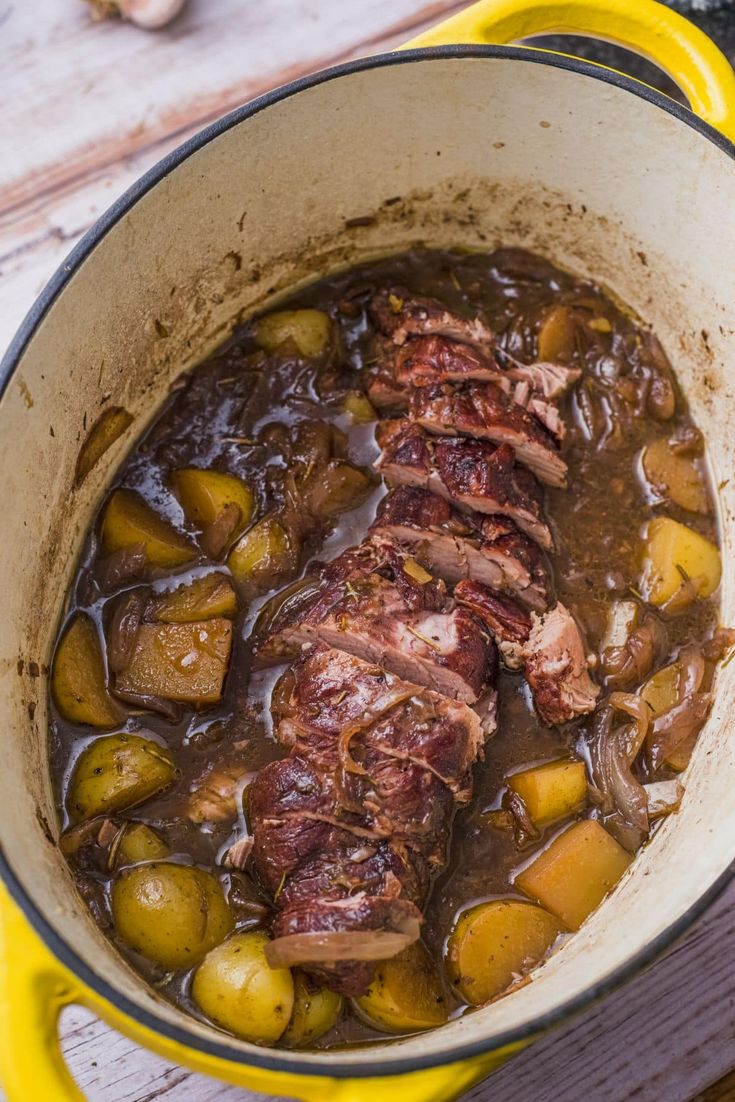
332	946
663	797
621	796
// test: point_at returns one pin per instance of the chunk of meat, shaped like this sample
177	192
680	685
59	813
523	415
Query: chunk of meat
400	314
472	473
427	361
483	411
508	622
557	668
456	545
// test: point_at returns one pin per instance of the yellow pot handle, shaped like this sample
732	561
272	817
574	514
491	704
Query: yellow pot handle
34	988
666	38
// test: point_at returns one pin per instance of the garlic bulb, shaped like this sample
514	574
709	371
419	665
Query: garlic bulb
150	14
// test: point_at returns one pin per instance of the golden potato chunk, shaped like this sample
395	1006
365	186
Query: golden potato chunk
266	556
315	1010
103	434
494	944
661	693
359	407
116	772
556	341
184	662
336	488
211	498
572	876
551	791
677	558
675	476
210	596
136	842
171	914
78	677
238	990
405	993
308	330
129	520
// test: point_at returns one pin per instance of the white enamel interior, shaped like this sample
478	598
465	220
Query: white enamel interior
483	151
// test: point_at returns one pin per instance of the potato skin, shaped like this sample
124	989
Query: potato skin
405	993
237	989
78	677
266	556
137	842
116	772
675	476
308	330
315	1010
129	521
205	494
495	943
204	598
183	662
172	914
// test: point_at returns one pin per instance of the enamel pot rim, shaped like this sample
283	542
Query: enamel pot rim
269	1059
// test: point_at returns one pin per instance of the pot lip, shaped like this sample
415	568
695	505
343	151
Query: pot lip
270	1059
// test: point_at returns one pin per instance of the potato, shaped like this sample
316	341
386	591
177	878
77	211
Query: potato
405	993
184	662
103	434
78	677
116	772
136	842
551	791
129	520
574	874
308	330
675	476
336	488
171	914
359	407
315	1010
206	597
237	989
675	556
266	556
661	692
205	495
556	341
494	944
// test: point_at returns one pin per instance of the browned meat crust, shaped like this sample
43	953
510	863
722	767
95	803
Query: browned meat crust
557	668
508	622
400	314
475	474
483	411
455	545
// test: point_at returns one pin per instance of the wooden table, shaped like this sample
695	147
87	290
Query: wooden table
86	109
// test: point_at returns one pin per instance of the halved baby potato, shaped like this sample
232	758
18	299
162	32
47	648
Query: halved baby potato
308	330
405	993
315	1011
573	875
172	914
206	597
556	337
494	944
182	662
678	558
266	556
129	521
337	487
206	496
136	842
238	990
676	476
359	407
78	677
116	772
554	790
661	693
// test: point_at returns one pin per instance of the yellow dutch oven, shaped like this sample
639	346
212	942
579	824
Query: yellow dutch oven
442	144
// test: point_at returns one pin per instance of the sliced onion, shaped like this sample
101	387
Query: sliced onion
663	797
621	796
637	709
332	946
674	727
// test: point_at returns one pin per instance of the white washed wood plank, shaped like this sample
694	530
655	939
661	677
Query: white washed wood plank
78	95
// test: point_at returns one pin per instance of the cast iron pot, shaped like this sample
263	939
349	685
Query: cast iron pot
483	144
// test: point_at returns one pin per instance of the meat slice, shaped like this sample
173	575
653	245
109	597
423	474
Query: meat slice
557	668
399	314
483	411
509	623
475	474
455	545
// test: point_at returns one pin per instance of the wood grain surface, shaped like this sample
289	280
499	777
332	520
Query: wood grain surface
86	109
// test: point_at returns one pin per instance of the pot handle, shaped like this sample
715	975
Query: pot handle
647	27
34	988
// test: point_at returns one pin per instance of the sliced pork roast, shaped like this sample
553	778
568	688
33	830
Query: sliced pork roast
483	411
348	828
456	545
377	602
548	647
400	314
475	474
